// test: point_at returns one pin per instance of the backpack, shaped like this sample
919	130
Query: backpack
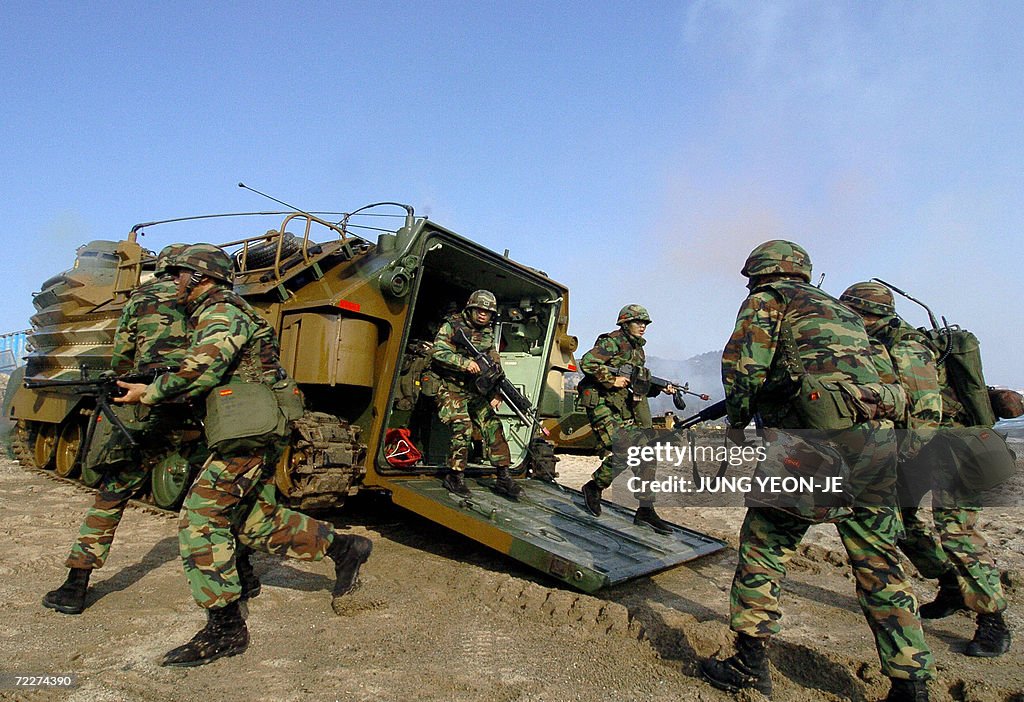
965	396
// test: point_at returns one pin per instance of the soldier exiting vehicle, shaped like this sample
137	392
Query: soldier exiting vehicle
791	347
150	333
959	558
232	363
461	405
619	413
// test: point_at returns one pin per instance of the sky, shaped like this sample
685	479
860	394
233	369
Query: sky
636	152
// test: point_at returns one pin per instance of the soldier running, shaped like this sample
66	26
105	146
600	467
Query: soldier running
789	332
231	345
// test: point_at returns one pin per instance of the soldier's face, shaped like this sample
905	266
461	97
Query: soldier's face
636	328
481	317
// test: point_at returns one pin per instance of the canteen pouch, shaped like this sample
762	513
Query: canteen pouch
289	399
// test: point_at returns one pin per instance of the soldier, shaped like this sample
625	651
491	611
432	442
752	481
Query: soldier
618	414
788	333
461	406
150	333
959	558
232	349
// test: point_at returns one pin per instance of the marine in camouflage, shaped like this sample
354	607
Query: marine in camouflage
616	414
151	332
955	545
784	328
460	405
234	492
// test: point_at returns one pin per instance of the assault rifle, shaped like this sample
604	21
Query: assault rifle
709	413
642	383
492	378
103	388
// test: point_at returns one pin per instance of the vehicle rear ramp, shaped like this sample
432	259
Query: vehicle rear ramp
550	530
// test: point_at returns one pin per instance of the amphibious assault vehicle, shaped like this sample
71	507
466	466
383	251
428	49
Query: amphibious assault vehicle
355	317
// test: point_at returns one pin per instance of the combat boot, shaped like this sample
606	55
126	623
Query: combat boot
907	691
349	553
453	482
947	602
505	485
251	585
748	668
646	515
69	598
991	638
225	634
592	498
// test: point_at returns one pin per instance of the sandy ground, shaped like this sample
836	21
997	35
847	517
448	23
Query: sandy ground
441	618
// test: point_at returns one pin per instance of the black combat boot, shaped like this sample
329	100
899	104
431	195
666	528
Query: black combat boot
453	482
947	602
505	485
592	498
907	691
348	552
747	668
991	638
251	585
647	515
69	598
225	634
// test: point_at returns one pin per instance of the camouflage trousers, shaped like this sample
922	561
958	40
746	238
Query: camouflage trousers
768	540
234	497
462	410
615	435
161	435
97	531
955	543
960	547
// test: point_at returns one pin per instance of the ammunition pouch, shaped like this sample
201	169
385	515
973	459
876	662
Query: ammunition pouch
980	455
109	450
588	397
831	405
795	471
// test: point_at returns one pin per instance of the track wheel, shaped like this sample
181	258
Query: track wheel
170	480
69	444
45	445
290	458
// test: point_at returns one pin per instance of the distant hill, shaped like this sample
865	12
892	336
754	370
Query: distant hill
703	372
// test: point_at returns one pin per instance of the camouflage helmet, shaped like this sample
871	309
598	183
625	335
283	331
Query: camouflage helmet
207	259
483	300
869	297
633	313
778	256
165	259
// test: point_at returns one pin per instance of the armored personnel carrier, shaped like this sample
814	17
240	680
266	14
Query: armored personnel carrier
355	317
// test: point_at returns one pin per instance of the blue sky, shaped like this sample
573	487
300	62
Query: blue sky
636	152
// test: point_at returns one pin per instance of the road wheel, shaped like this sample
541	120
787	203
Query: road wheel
69	444
45	445
170	480
290	458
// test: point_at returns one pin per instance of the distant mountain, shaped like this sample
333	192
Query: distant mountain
702	372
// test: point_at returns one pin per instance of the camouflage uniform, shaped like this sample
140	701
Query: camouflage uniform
785	315
235	489
614	413
461	406
151	332
960	553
